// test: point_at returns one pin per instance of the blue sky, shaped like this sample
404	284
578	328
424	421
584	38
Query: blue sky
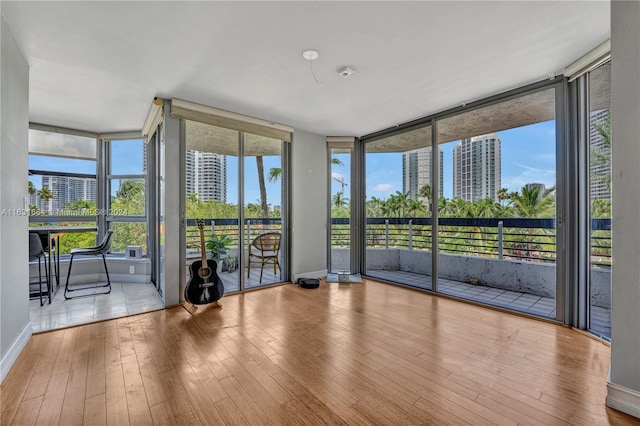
527	156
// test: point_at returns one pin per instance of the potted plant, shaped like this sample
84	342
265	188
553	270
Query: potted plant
217	246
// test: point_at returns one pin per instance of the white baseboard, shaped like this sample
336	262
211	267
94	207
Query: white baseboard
313	274
623	399
12	354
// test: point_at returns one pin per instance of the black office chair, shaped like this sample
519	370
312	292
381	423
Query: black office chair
99	250
36	252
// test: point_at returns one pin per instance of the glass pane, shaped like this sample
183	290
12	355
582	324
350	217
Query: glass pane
340	211
63	191
263	210
600	185
496	229
127	197
398	203
128	234
211	168
128	157
61	145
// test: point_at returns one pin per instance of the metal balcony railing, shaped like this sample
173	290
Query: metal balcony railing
503	238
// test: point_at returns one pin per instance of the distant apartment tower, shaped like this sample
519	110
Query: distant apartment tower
540	186
66	189
416	171
206	175
600	164
476	168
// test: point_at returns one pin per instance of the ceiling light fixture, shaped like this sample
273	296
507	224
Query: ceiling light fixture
311	55
345	72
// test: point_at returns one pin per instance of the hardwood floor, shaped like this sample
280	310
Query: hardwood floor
367	353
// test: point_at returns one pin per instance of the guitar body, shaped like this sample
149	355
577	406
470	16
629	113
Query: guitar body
204	286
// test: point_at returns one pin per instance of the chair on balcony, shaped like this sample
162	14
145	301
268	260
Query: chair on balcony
265	248
99	250
36	252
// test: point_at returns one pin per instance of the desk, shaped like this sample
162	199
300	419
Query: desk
53	233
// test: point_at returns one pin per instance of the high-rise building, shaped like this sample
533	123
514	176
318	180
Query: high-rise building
476	168
416	171
206	175
600	164
67	189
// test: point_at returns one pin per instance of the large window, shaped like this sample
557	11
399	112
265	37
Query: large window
225	189
126	188
62	185
497	212
399	201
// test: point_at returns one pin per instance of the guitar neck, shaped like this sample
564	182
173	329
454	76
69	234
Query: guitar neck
203	249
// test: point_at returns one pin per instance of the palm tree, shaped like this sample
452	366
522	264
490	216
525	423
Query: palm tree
263	188
425	192
32	189
45	195
399	203
503	195
415	208
530	202
339	201
274	174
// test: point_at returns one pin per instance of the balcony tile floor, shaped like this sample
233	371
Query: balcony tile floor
513	300
124	299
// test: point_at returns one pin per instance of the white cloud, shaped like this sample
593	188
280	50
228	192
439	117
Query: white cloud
337	175
383	187
529	175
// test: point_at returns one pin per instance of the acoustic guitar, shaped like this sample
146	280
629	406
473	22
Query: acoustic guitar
204	286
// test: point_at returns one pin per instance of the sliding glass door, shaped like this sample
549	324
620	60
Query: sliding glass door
340	230
399	201
264	235
497	215
234	204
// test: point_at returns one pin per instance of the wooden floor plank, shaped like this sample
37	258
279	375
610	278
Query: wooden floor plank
137	403
27	411
15	384
230	413
96	368
95	410
74	398
360	354
162	414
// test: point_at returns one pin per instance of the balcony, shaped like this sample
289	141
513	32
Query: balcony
509	263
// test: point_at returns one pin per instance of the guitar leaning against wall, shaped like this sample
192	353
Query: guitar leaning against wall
204	286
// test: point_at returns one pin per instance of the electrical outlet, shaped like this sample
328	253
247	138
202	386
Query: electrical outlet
132	269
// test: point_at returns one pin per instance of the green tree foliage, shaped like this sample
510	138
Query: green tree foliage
530	202
601	156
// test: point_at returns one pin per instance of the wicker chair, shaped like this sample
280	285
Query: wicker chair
266	249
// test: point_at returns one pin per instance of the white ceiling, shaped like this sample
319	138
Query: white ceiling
97	65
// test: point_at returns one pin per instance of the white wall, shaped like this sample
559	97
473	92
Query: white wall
309	205
15	327
624	386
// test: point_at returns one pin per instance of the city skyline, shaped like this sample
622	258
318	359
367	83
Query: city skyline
528	155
